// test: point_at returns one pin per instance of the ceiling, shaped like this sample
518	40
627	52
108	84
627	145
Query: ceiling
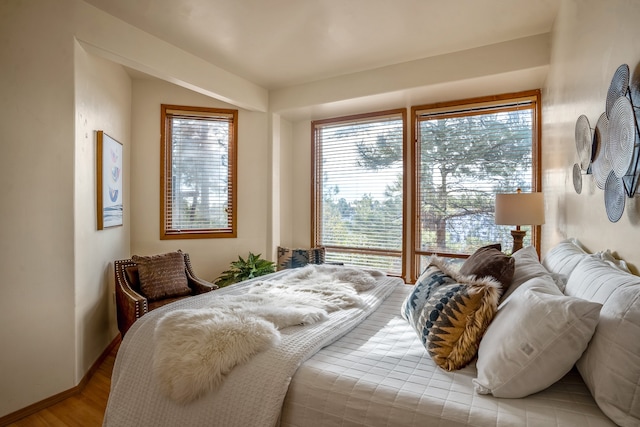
281	43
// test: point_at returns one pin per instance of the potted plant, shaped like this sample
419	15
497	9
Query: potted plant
243	269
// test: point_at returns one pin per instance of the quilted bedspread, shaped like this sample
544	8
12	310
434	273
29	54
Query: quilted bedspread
379	374
251	394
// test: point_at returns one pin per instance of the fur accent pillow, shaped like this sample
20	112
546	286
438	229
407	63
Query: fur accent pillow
162	276
489	261
450	313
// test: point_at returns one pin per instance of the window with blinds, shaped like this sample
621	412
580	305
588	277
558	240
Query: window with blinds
465	153
358	189
198	172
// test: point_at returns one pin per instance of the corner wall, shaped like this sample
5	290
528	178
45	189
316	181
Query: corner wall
591	38
103	102
209	256
37	322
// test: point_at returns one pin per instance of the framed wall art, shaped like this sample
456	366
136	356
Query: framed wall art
109	174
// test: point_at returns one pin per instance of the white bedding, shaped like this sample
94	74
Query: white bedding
252	393
379	374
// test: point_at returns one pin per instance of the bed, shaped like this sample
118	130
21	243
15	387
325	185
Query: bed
365	365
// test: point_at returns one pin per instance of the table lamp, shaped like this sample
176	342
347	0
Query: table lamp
519	209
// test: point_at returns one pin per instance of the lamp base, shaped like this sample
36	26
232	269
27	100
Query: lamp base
518	236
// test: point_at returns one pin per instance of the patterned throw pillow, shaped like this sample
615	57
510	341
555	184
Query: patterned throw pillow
162	276
450	313
293	258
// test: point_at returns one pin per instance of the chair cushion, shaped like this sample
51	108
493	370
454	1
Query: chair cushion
294	258
488	261
162	276
450	313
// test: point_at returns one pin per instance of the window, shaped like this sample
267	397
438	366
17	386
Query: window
358	195
466	152
198	172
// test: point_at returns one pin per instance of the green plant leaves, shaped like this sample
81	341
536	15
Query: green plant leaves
242	269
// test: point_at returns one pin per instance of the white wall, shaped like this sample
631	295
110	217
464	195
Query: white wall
286	184
103	102
301	184
591	38
37	313
56	309
209	256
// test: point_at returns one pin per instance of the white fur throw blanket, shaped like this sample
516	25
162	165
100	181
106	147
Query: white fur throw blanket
251	392
196	348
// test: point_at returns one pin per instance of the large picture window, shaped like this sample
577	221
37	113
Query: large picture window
358	193
198	172
466	152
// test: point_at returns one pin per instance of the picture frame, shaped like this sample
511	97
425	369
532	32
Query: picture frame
109	181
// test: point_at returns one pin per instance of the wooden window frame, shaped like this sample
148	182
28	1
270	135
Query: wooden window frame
536	108
316	191
165	172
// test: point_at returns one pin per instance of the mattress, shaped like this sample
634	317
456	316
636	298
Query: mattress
379	374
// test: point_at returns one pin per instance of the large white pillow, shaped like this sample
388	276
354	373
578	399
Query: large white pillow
534	340
527	267
564	257
611	364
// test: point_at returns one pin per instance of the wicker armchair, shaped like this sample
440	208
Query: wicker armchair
131	304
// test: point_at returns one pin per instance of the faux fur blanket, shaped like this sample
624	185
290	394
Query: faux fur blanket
196	348
252	393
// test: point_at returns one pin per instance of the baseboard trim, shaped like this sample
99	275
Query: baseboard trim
50	401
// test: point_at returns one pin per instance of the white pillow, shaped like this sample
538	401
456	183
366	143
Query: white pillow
534	340
563	257
608	256
527	267
611	364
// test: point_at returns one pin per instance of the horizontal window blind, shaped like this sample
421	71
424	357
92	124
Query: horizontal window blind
465	155
359	190
198	174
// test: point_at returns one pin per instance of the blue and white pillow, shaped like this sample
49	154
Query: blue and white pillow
450	313
429	281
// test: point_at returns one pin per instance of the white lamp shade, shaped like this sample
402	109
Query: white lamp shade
520	209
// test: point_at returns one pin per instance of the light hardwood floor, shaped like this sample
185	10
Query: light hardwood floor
85	409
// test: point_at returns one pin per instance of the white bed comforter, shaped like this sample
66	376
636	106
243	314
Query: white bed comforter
379	375
252	393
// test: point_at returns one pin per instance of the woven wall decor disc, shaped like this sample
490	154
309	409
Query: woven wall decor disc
614	197
622	136
583	141
577	178
618	87
600	165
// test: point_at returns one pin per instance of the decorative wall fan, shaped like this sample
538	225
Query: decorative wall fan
614	195
600	165
618	87
622	136
577	178
583	141
612	156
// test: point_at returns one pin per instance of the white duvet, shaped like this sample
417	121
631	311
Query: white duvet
379	374
251	394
